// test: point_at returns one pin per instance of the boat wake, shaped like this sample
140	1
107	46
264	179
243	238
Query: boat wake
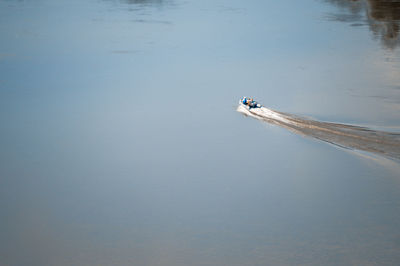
386	144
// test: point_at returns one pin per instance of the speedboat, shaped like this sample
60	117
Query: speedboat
249	103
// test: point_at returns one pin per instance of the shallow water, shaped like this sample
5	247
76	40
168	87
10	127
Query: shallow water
120	143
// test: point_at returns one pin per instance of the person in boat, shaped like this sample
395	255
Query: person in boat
249	102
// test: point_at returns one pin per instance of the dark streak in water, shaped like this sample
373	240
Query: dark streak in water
151	21
343	17
346	136
357	25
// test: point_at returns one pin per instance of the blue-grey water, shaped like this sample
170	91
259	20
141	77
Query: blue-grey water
120	143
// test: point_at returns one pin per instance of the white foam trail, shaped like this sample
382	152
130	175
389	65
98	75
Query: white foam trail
263	113
347	136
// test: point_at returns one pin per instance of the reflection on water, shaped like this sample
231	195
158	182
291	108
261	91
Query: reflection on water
355	7
382	17
385	20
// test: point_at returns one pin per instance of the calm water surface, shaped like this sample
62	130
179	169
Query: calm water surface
120	144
